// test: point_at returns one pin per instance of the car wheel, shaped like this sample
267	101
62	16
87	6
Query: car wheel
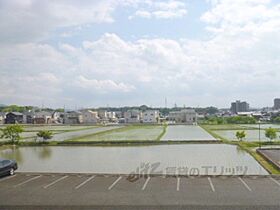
12	171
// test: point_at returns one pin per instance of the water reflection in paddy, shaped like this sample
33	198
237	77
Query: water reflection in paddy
214	158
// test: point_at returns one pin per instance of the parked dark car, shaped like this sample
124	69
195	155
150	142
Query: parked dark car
7	167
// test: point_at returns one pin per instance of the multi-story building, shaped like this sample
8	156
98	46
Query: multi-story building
239	106
188	116
150	116
276	103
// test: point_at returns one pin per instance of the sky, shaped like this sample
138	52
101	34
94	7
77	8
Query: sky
94	53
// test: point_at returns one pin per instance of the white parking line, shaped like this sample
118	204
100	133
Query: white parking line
28	180
115	182
211	184
245	184
146	182
178	183
275	181
83	183
9	177
48	185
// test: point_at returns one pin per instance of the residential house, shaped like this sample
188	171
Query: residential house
28	117
112	117
151	116
118	114
57	117
73	117
133	116
103	115
42	117
2	117
14	117
90	117
187	116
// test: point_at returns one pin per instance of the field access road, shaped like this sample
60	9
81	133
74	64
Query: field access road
90	191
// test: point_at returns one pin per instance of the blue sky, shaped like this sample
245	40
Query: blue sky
187	26
133	52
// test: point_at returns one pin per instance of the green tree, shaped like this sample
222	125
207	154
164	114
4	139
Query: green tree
45	134
276	120
241	120
12	132
271	133
240	135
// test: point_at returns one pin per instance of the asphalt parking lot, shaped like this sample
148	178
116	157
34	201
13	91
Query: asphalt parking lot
272	155
89	190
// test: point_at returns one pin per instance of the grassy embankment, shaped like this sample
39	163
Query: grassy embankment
249	147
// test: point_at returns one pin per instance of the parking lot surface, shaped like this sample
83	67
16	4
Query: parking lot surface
91	190
273	155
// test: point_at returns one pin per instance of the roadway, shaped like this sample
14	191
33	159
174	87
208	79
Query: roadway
90	191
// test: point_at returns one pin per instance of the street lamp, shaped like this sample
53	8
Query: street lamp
259	134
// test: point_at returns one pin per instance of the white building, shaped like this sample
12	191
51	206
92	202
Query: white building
151	116
90	117
57	117
133	116
188	116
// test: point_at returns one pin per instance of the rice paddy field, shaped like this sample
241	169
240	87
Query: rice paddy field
57	127
228	132
251	135
129	133
124	160
262	126
186	133
62	133
81	133
84	133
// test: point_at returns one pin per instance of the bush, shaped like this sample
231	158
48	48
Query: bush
271	133
45	134
241	120
12	132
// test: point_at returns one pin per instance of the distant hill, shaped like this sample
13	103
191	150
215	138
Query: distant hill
3	105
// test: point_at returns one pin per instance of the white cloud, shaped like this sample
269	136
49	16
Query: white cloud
31	89
147	70
142	14
243	16
34	20
240	59
103	86
161	10
169	14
